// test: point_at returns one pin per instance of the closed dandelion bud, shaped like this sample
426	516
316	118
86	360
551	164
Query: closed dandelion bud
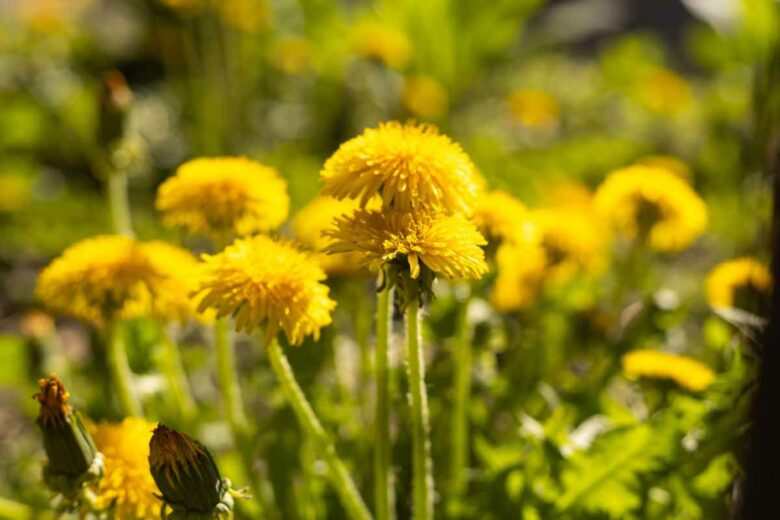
187	476
73	460
115	102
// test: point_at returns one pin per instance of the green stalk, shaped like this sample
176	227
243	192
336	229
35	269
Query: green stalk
228	380
462	383
121	376
118	203
15	510
422	464
173	369
384	499
340	478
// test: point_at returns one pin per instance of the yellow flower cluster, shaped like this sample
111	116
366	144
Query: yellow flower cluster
127	485
521	269
261	280
652	205
412	167
224	196
319	216
684	371
728	279
112	277
448	245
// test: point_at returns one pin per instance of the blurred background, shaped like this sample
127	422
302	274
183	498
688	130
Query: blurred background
546	97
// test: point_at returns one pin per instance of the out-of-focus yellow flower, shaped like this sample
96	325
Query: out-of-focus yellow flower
568	193
381	42
115	277
292	55
448	245
316	217
127	483
663	91
219	197
574	241
731	281
261	280
184	5
412	167
521	270
686	372
51	15
424	97
672	164
534	108
246	15
501	217
654	205
15	191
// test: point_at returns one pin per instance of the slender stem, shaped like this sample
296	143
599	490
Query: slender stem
228	379
462	384
118	202
173	368
421	447
121	376
15	510
384	499
345	487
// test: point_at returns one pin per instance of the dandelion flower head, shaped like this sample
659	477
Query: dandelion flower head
116	277
413	167
127	483
733	281
425	97
574	240
521	270
534	108
223	196
260	280
653	205
315	218
501	217
448	245
684	371
667	162
381	42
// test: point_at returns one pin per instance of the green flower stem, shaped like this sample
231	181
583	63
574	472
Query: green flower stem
462	384
422	464
121	376
384	499
228	380
118	203
345	487
14	510
173	369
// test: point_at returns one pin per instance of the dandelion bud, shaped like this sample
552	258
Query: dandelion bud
115	102
187	476
73	458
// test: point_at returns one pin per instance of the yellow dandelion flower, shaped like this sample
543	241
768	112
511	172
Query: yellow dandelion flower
15	192
114	277
662	91
316	217
684	371
521	269
246	15
413	167
218	197
425	97
735	283
672	164
573	239
127	482
448	245
534	108
567	193
501	217
381	42
292	55
261	280
654	205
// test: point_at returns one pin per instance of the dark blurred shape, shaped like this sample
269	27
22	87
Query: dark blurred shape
115	102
